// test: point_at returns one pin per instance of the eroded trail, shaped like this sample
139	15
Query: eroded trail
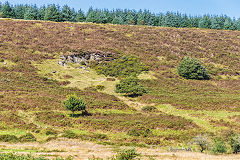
81	150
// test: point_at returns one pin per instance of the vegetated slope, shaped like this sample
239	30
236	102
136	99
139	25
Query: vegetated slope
22	88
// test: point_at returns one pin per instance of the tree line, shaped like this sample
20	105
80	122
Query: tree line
118	16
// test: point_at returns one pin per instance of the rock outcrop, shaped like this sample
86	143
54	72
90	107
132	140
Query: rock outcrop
86	57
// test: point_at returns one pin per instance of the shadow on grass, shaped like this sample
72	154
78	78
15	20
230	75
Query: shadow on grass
83	114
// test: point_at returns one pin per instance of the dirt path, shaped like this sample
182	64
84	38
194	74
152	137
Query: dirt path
83	150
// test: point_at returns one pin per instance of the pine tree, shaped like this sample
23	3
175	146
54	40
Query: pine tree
185	22
91	15
205	22
80	17
229	25
130	19
7	11
41	13
53	13
31	13
68	14
19	11
140	18
238	24
215	24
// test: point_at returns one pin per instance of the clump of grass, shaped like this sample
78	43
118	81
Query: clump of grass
100	87
8	138
69	134
149	109
27	138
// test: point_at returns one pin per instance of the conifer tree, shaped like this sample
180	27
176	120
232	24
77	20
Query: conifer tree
7	11
229	25
41	13
215	24
31	13
19	11
80	17
205	22
68	14
53	13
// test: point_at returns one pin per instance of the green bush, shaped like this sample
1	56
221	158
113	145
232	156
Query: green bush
13	156
27	138
51	132
122	67
219	146
130	87
191	68
1	60
69	134
235	143
73	103
8	138
126	155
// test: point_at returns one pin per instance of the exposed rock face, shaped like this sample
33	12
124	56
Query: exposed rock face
86	57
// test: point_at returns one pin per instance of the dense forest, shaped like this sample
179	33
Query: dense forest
118	16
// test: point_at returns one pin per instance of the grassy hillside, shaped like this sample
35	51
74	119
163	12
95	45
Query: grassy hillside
31	95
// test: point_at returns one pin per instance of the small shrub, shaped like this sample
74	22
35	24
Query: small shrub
83	63
100	136
130	87
73	103
69	134
149	108
27	138
8	138
100	87
235	143
191	68
127	155
1	60
219	146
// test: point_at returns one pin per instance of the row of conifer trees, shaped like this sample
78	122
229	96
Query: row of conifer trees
118	16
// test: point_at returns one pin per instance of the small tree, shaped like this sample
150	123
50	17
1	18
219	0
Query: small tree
235	143
73	103
202	141
191	68
130	87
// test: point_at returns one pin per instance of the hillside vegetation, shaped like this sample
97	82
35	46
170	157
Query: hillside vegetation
33	86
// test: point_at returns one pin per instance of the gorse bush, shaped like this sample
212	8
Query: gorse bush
73	103
122	67
8	138
69	134
219	146
191	68
130	87
27	138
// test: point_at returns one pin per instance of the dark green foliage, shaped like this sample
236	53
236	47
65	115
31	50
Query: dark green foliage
122	67
80	17
73	103
69	134
219	146
191	68
7	11
130	87
31	13
52	13
68	14
118	16
149	108
27	138
126	155
8	138
235	143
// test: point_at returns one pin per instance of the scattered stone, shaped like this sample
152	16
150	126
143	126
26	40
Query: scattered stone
87	70
5	63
